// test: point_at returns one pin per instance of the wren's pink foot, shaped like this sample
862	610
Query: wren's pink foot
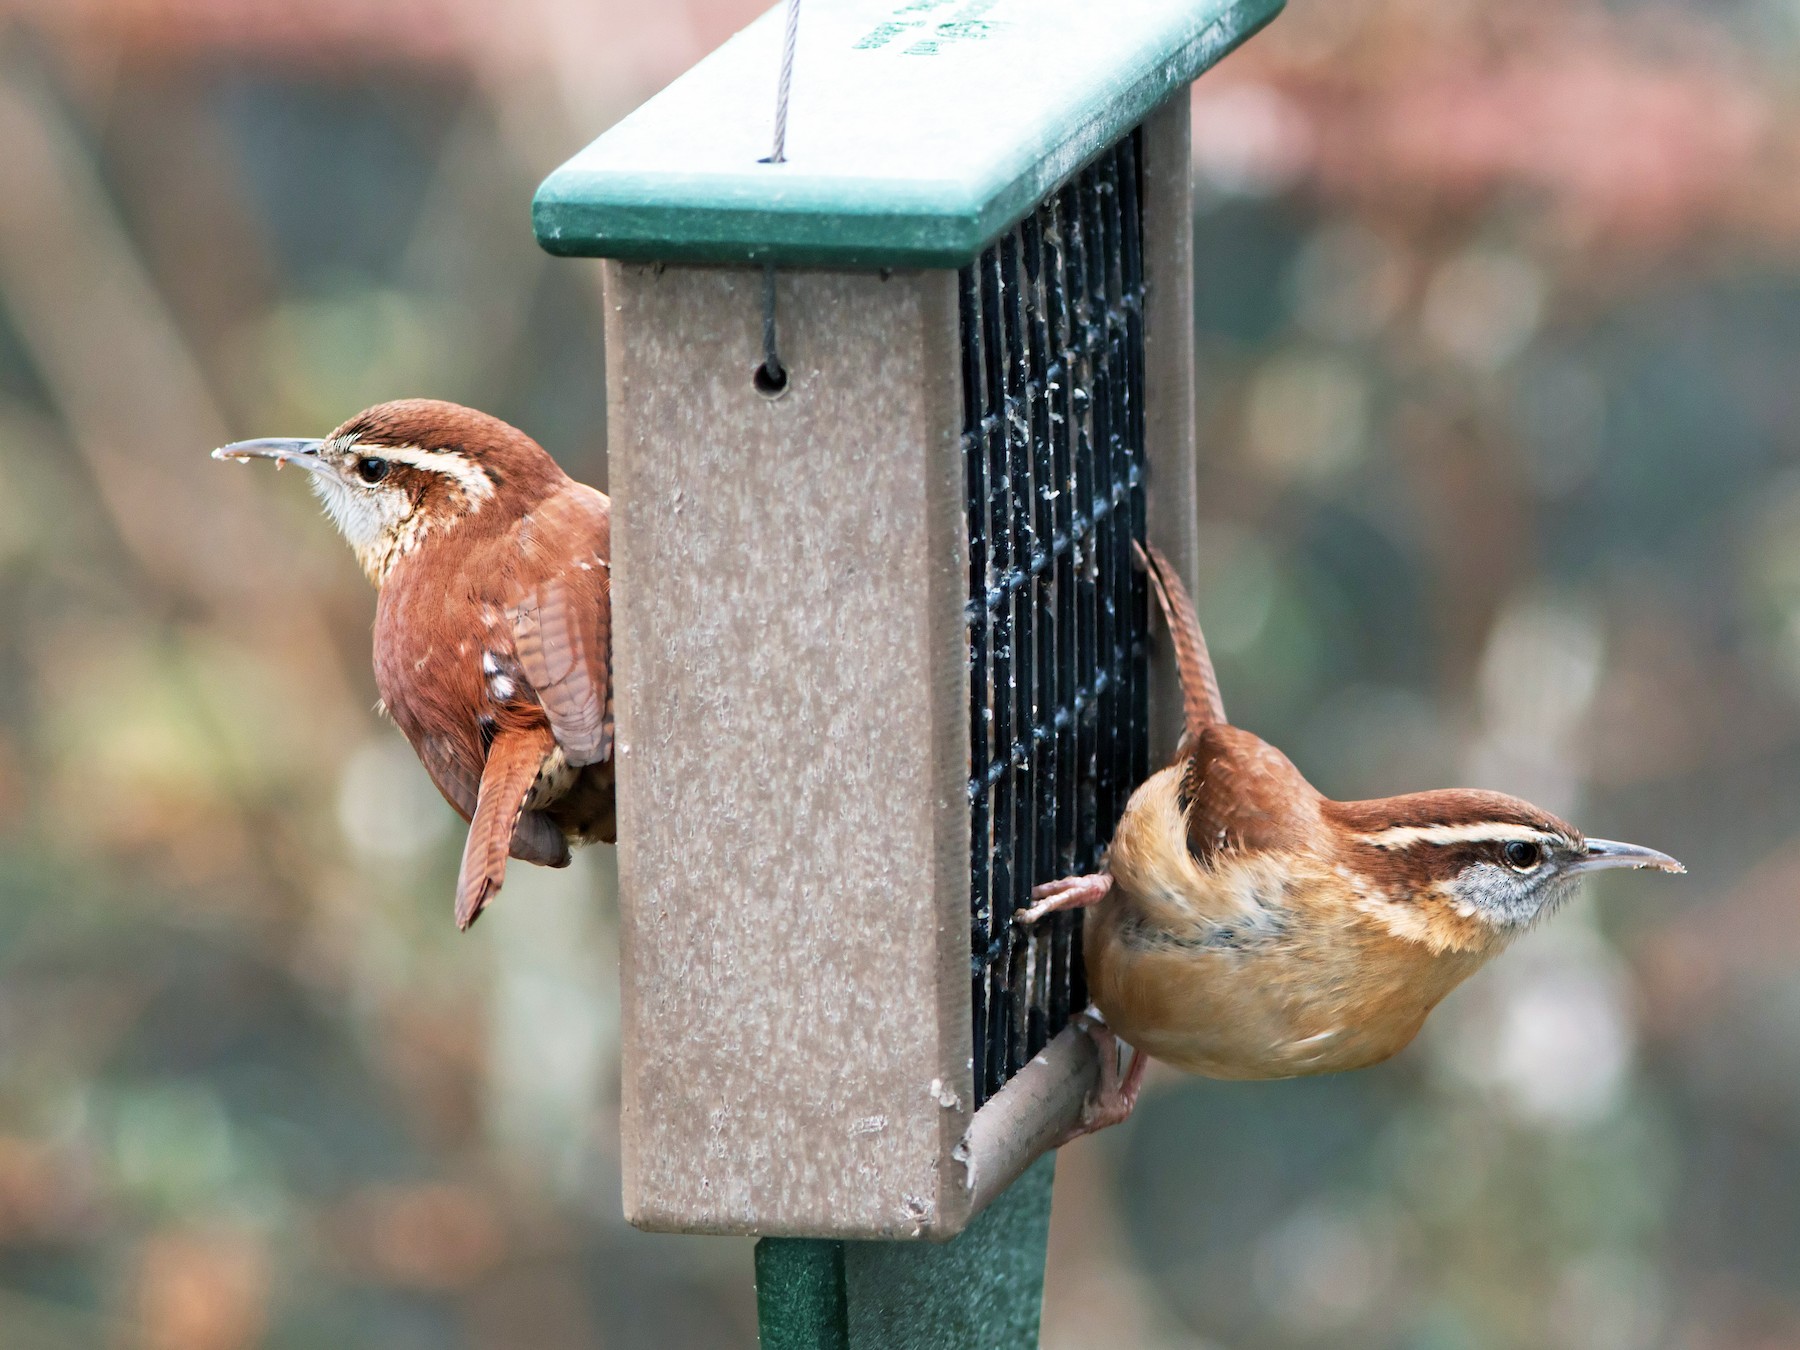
1068	893
1116	1095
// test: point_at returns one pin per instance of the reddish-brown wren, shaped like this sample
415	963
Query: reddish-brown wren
1248	927
492	626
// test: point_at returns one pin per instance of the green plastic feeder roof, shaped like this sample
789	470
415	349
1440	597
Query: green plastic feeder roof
918	130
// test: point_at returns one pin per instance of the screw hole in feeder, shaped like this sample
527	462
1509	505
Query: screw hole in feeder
770	383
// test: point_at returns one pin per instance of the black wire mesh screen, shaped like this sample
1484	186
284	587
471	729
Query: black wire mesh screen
1053	449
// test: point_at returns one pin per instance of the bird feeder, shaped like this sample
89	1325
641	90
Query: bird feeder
881	650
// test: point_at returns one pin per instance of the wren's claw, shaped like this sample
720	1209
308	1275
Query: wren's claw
1067	893
1116	1096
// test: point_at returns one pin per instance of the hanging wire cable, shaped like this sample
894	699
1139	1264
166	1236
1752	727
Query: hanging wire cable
771	376
790	35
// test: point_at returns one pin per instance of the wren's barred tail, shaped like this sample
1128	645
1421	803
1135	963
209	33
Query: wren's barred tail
512	767
1200	699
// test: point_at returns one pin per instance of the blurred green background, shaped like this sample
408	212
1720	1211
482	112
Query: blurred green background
1500	390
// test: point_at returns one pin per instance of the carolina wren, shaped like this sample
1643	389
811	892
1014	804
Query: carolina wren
1248	927
492	626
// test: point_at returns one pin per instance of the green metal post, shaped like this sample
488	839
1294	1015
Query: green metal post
983	1290
800	1296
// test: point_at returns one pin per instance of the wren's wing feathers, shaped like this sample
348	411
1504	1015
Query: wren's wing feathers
513	763
562	625
1200	699
558	646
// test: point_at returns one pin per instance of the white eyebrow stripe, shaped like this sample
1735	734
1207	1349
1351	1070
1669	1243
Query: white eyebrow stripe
1400	836
469	475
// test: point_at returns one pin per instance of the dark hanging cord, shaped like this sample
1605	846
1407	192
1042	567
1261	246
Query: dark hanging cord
771	376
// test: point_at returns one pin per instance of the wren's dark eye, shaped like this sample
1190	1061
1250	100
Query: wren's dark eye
1521	855
370	469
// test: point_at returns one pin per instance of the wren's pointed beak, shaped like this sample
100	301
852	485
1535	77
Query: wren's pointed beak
1604	853
283	450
